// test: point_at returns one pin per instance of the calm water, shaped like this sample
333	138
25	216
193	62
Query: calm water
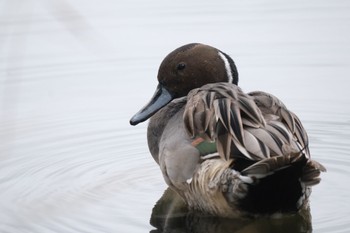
73	72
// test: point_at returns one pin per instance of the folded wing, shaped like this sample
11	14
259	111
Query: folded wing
251	126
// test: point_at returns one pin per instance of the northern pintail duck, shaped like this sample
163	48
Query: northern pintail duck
225	152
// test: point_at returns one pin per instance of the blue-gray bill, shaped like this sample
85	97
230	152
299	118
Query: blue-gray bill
160	98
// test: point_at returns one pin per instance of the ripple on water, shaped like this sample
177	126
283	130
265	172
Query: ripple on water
74	174
330	145
61	172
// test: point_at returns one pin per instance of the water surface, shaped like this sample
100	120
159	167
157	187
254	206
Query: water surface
72	73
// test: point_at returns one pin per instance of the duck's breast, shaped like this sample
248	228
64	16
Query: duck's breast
178	159
170	144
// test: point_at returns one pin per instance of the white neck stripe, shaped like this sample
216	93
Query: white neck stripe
227	67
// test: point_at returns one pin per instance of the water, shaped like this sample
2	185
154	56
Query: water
72	73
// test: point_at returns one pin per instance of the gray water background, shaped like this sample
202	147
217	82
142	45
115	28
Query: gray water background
72	73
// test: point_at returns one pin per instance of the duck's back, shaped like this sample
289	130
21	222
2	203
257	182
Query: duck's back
255	126
266	143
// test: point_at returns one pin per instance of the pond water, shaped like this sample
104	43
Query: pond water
72	73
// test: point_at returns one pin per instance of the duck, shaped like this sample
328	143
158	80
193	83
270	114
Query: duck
227	153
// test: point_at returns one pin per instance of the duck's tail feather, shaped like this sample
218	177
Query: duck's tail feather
279	184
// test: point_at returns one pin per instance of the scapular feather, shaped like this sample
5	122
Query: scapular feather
254	126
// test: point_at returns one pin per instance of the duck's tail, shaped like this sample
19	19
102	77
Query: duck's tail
279	184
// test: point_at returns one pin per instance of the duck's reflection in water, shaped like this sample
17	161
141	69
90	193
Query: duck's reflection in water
170	215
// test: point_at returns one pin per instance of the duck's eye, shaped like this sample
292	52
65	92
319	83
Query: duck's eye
181	66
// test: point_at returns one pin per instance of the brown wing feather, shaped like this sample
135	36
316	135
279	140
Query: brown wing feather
254	126
289	124
219	112
255	130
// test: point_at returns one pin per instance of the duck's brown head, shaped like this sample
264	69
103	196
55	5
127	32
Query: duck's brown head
186	68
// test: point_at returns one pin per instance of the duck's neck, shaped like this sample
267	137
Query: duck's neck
159	121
